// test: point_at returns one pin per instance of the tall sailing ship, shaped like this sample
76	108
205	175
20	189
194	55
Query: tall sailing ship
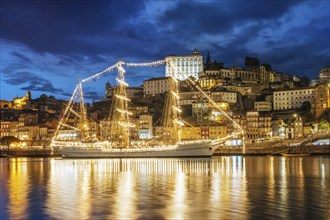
84	143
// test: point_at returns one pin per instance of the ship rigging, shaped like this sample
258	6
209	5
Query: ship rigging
118	143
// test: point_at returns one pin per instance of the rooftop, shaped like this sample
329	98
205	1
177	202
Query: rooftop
296	88
157	78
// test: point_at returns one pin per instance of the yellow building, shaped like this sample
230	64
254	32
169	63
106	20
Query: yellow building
212	132
190	133
257	126
322	100
207	83
307	130
217	131
8	128
22	102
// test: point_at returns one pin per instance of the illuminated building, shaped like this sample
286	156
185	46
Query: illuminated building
213	131
145	127
133	91
243	90
258	126
252	128
322	101
156	86
187	98
22	102
184	66
206	83
289	132
325	74
265	75
230	97
8	128
298	127
233	73
284	99
209	111
217	131
190	133
263	106
205	132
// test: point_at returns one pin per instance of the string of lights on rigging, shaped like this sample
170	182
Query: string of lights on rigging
119	65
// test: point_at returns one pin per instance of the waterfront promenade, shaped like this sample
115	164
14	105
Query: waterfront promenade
301	145
310	149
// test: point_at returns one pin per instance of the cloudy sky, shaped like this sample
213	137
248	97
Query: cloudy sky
47	46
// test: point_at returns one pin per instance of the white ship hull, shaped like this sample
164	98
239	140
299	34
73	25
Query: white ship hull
192	149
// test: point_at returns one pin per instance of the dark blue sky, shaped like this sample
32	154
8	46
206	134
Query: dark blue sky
46	46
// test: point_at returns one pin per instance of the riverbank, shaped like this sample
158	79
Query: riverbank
29	153
313	150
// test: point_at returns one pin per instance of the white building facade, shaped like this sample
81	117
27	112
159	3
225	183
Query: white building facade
182	67
293	98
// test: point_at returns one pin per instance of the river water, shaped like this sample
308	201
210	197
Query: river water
233	187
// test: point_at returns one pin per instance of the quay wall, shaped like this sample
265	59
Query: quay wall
308	149
249	150
29	153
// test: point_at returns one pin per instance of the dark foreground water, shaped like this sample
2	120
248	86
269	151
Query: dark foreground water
233	187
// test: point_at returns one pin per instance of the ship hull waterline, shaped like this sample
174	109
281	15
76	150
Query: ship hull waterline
190	150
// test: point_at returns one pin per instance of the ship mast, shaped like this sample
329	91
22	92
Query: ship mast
119	114
171	115
83	122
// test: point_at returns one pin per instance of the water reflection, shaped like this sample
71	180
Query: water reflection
18	184
214	188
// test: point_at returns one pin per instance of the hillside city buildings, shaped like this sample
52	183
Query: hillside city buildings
267	104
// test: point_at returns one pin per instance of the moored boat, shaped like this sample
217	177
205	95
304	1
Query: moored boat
188	149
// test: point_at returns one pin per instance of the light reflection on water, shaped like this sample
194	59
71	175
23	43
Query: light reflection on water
214	188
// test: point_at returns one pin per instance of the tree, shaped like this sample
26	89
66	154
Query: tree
267	91
306	106
43	96
323	126
208	58
304	81
267	66
8	140
251	63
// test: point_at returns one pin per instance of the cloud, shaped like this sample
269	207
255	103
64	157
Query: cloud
63	41
93	95
67	27
35	83
21	57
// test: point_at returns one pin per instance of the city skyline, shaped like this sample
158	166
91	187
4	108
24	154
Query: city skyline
47	46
